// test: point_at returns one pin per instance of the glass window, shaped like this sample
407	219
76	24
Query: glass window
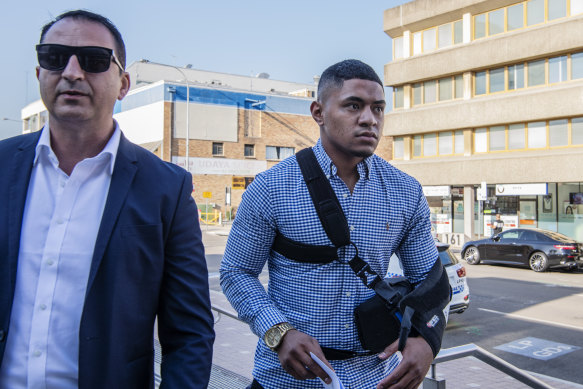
445	91
536	72
496	80
399	97
429	92
417	43
576	7
429	39
444	35
217	148
481	140
429	145
458	31
417	146
558	69
479	26
446	143
459	142
417	95
577	131
515	76
480	83
537	135
535	12
249	150
558	133
515	16
278	153
516	136
459	87
398	148
576	66
496	22
497	138
398	46
557	9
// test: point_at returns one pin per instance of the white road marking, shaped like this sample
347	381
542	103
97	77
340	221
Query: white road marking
533	319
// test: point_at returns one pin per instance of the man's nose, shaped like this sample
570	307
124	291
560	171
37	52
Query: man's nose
367	117
73	69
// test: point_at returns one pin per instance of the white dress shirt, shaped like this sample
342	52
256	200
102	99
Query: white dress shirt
59	229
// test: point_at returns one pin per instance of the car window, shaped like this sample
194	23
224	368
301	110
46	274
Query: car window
556	236
447	258
529	235
509	235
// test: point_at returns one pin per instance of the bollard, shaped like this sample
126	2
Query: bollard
433	383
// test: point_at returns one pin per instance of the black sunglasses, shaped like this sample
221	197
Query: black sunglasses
92	59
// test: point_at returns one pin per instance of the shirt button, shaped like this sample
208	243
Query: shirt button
347	294
328	176
42	307
351	228
345	195
60	221
50	262
347	326
36	353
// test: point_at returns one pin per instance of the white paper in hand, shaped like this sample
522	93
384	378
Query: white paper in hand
336	384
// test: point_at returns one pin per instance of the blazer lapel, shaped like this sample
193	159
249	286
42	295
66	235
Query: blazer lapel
123	174
20	171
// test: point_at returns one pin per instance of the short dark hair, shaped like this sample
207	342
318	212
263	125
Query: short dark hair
335	75
120	47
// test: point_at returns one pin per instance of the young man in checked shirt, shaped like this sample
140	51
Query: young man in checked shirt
310	306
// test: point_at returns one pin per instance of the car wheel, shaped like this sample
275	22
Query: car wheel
472	255
538	261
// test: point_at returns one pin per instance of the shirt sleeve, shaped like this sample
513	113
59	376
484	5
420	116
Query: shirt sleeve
248	249
417	250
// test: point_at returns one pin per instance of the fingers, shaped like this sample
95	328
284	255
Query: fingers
389	350
294	355
409	374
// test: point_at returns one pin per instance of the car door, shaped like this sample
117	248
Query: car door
505	248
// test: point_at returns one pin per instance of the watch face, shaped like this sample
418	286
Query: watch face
272	337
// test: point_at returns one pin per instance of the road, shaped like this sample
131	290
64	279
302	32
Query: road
537	316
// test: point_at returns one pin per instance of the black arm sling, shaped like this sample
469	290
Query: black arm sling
383	318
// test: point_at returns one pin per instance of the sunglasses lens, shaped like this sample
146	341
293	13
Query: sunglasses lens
91	59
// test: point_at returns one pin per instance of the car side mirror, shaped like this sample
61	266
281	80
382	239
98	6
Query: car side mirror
496	238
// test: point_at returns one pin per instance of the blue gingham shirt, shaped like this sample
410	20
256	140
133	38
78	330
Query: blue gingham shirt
386	212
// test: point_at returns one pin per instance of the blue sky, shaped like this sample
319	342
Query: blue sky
290	40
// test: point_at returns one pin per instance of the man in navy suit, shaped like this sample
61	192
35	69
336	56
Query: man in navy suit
98	237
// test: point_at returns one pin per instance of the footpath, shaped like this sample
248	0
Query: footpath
235	346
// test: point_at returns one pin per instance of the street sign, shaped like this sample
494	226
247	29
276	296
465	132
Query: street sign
537	348
207	195
482	192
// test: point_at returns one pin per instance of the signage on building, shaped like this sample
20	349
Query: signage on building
521	189
238	182
482	194
207	195
441	191
221	166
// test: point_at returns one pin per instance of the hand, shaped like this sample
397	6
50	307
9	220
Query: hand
294	356
417	357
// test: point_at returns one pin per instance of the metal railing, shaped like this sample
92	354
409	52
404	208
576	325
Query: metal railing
471	350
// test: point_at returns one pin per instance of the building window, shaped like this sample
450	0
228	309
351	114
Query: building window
515	16
497	138
398	47
278	153
417	43
496	22
516	137
459	142
480	83
558	69
576	65
398	148
496	80
249	151
558	133
458	32
536	72
417	94
417	141
429	145
479	26
217	149
537	135
535	12
557	9
444	35
576	7
429	92
429	40
577	131
515	77
446	143
481	140
459	86
445	90
399	97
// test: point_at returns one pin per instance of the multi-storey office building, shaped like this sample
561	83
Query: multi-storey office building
232	126
490	91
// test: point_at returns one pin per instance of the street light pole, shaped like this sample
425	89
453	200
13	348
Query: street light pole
186	155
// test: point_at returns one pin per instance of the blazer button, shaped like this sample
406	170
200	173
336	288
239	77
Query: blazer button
2	335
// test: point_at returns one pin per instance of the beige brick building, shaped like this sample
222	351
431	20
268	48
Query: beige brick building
490	91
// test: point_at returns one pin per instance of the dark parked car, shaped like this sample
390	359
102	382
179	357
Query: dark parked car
536	248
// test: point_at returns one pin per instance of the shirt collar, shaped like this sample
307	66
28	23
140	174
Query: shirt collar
43	147
330	170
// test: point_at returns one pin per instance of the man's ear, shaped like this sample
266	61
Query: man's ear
125	85
317	112
37	71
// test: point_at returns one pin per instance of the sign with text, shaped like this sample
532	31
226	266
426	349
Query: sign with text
207	195
521	189
442	191
221	166
537	348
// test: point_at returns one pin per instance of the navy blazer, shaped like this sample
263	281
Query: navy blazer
148	262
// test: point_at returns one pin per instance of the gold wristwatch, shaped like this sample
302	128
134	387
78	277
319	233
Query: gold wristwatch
275	334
